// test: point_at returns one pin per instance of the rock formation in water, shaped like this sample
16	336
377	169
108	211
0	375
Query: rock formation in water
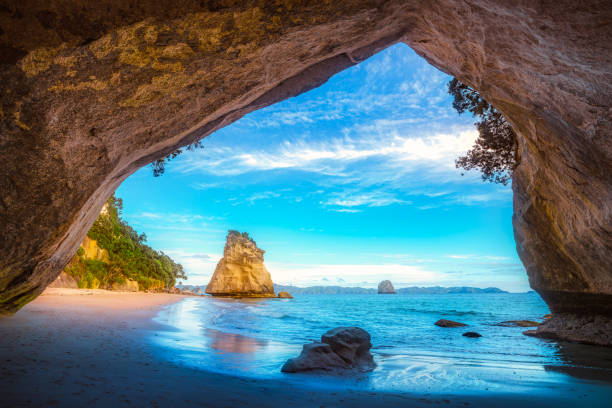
95	90
241	271
472	334
449	323
386	288
285	295
340	349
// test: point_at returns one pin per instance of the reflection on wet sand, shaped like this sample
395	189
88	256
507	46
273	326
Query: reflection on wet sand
583	361
233	343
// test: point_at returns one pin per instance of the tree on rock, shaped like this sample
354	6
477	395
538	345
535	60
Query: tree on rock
494	152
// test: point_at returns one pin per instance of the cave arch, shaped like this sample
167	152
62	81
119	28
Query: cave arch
95	91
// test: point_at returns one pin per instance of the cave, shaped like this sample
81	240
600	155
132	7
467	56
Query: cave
94	91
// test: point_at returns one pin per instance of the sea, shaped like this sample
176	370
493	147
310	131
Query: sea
254	337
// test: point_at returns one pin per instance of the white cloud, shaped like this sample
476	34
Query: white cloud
460	256
393	152
357	199
262	196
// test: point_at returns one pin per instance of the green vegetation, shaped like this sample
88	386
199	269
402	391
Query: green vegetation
495	152
128	256
159	166
242	234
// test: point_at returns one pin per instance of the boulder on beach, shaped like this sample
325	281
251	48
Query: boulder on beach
315	356
518	323
449	323
285	295
341	350
471	334
386	288
241	271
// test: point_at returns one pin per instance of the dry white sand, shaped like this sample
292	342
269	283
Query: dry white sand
89	348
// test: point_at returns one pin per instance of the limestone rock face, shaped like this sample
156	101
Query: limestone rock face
127	286
340	349
64	281
241	271
386	288
92	91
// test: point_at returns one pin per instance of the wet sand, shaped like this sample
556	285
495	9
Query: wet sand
83	348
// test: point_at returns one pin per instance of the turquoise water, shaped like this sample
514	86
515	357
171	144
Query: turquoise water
253	338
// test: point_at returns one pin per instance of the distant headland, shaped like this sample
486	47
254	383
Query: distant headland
412	290
348	290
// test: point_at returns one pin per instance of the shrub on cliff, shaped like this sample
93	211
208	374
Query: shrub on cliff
494	152
129	256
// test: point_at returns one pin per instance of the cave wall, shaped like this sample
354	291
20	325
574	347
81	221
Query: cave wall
92	91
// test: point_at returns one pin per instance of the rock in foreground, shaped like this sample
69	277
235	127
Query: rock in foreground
449	323
386	288
472	334
241	272
285	295
341	349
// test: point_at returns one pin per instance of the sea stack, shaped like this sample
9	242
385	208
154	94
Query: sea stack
241	271
386	288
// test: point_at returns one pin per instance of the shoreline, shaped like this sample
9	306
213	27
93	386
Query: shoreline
74	347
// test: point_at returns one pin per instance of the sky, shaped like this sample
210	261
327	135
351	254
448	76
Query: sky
348	184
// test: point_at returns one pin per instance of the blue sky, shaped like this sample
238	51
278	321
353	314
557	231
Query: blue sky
349	184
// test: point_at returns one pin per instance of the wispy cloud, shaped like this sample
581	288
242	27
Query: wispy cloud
346	200
333	156
345	210
262	196
174	222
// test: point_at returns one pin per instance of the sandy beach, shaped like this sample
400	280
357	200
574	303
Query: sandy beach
76	348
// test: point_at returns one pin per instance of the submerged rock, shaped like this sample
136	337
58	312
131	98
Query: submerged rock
285	295
340	349
449	323
471	334
518	323
241	271
386	288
